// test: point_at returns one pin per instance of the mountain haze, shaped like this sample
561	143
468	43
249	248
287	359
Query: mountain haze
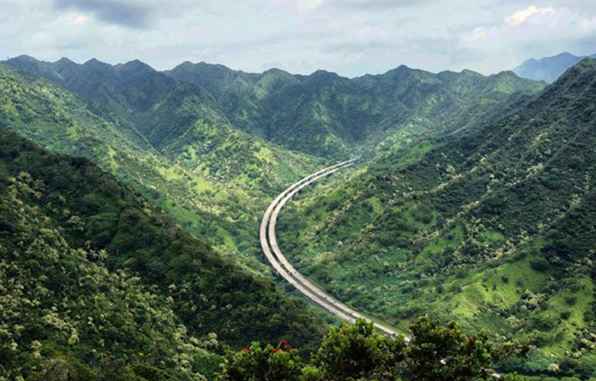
548	69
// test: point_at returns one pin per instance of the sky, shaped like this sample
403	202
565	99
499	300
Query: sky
351	37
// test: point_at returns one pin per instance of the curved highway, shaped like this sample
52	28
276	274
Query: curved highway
281	265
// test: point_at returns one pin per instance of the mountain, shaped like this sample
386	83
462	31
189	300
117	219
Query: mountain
181	152
327	115
123	94
322	114
97	278
473	203
212	145
547	69
491	226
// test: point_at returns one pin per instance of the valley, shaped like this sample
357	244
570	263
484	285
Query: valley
471	229
472	201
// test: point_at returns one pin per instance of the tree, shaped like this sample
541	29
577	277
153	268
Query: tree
356	351
444	353
257	363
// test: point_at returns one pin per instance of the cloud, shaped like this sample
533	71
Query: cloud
375	4
351	37
477	34
522	16
80	19
133	14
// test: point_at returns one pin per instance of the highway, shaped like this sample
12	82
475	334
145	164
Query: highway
282	266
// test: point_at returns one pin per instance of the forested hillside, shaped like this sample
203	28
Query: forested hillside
328	115
93	275
321	114
473	201
213	179
493	227
200	141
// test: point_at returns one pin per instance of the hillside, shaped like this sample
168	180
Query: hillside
187	145
213	179
408	232
547	69
93	274
491	226
63	309
327	115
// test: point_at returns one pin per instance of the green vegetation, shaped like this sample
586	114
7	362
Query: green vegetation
213	179
491	227
475	205
92	275
356	352
331	116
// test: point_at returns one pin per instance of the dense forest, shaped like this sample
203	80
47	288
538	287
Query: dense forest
91	272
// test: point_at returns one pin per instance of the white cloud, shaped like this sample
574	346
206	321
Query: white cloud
477	34
80	19
351	37
300	5
522	16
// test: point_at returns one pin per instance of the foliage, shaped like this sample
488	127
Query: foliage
331	116
165	140
66	314
95	221
357	352
477	204
257	363
491	227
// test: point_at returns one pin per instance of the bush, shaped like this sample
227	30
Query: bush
357	352
565	315
257	363
540	265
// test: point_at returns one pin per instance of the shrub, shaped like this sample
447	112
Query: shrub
540	265
357	352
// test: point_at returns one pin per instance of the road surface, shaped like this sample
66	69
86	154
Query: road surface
280	264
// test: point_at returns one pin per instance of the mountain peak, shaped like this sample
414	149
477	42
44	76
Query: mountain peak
24	58
323	75
95	62
275	71
135	65
399	69
547	69
65	61
565	55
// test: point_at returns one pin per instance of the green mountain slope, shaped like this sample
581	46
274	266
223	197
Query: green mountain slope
328	115
492	226
190	174
63	308
85	247
321	114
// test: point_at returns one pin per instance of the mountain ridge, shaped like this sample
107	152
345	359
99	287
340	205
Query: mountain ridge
548	69
472	227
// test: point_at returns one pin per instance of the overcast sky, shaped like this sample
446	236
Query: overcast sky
351	37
